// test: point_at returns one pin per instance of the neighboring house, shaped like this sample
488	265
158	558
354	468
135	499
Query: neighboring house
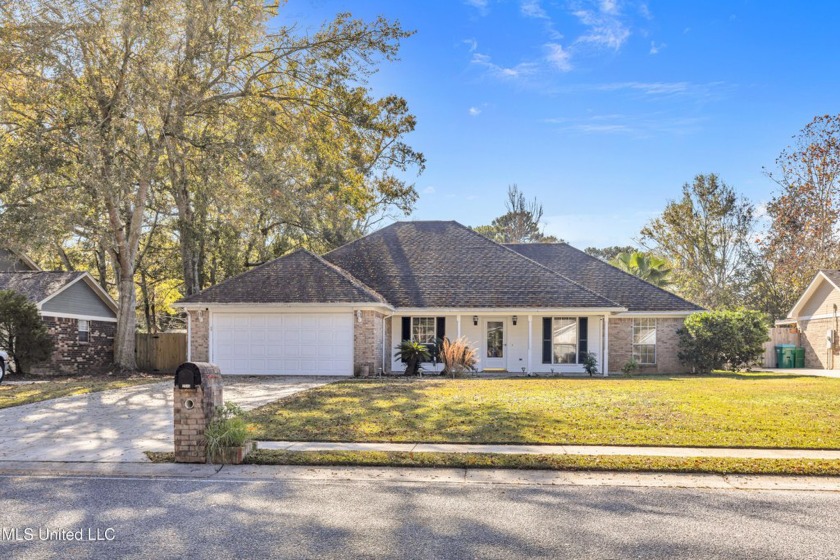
816	317
81	317
527	308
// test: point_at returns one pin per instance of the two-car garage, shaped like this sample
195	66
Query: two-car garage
282	343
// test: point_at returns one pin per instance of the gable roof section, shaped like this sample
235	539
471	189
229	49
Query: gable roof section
447	265
42	286
299	277
824	275
14	261
603	278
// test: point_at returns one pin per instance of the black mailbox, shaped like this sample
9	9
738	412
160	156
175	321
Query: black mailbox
188	375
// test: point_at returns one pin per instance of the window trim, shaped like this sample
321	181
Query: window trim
80	330
577	342
434	328
634	344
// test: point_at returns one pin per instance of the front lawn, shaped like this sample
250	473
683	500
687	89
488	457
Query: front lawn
35	389
726	410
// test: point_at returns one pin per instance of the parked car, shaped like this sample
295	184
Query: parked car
4	363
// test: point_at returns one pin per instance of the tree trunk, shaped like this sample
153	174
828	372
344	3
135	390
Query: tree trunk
126	323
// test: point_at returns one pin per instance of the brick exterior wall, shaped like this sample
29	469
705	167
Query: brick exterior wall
199	336
667	345
813	339
368	343
71	356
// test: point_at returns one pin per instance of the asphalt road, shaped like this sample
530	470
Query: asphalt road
152	518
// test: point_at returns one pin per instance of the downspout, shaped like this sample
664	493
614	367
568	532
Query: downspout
385	343
189	337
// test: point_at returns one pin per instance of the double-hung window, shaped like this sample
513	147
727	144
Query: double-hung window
423	330
84	330
565	340
644	341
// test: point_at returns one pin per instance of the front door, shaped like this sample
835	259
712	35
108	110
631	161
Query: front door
495	345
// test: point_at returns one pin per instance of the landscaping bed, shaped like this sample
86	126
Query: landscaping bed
18	390
721	410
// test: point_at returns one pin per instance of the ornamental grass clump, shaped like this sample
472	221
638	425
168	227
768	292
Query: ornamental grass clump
457	356
227	429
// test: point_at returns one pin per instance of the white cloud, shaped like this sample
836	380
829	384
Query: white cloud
472	44
605	27
559	57
429	190
474	111
521	70
480	5
533	9
654	48
637	126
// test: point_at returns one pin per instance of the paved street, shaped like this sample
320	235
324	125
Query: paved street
117	425
345	519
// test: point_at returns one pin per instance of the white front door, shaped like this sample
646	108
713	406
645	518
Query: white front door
494	355
283	343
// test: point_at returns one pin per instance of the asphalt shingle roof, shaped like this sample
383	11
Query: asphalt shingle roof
600	277
299	277
36	286
833	275
445	264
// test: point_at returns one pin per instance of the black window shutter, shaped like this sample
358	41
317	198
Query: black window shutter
546	358
406	330
583	335
441	327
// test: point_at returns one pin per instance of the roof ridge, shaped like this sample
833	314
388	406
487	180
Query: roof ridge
235	276
347	276
554	272
600	261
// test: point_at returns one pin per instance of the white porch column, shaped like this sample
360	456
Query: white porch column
458	321
606	345
530	336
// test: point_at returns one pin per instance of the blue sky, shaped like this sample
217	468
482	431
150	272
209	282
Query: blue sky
601	109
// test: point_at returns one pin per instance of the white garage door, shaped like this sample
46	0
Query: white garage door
283	343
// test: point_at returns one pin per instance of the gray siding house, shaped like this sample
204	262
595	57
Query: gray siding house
80	316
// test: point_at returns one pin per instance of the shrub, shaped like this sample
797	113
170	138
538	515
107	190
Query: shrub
22	331
630	367
457	356
722	339
412	353
228	428
590	364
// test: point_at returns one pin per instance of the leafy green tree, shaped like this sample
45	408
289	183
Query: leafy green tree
804	232
723	339
412	354
608	253
521	223
126	121
706	237
22	331
646	266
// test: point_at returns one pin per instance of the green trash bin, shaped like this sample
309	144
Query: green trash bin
799	360
785	356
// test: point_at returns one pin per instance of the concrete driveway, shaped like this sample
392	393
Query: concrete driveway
119	425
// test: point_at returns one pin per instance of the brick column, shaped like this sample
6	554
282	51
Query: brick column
194	407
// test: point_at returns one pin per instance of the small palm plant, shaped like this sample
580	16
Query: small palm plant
457	356
412	353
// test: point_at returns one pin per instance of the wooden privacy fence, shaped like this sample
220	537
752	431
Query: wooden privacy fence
778	335
161	352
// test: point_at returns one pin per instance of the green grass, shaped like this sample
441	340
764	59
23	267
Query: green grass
45	388
726	410
625	463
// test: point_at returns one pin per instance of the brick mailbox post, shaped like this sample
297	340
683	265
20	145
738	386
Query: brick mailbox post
198	392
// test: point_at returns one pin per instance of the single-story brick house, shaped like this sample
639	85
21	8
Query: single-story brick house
527	308
817	317
80	316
